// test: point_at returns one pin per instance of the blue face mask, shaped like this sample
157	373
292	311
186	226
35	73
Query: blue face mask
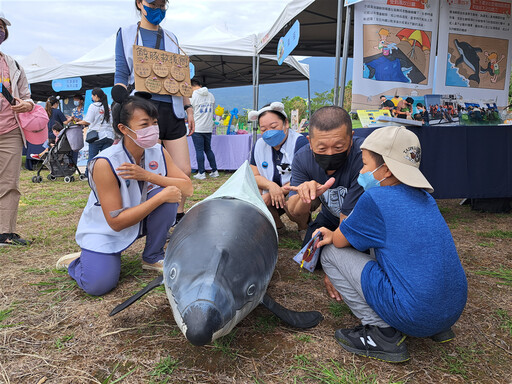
368	181
76	102
154	16
274	137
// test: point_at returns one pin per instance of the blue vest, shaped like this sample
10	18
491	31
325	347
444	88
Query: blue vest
93	232
130	38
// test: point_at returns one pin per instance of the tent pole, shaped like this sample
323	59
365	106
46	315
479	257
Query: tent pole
346	42
309	100
255	95
257	81
338	52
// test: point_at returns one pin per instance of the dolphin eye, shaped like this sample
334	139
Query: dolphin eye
172	273
251	290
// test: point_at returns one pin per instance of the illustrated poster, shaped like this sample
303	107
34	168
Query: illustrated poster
161	72
394	49
474	56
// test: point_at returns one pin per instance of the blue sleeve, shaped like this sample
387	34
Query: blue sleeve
122	74
364	227
301	141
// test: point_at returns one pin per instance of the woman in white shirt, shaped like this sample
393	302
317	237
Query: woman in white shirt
98	118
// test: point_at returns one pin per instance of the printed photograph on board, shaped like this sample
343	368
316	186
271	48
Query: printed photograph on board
476	62
396	54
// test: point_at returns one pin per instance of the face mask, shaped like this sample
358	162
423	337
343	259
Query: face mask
146	137
331	162
274	137
368	181
2	36
76	102
154	16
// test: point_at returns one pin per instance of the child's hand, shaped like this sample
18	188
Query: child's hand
327	236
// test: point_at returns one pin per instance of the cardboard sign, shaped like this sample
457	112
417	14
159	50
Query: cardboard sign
161	72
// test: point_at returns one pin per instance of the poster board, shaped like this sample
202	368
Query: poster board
475	50
394	50
161	72
369	118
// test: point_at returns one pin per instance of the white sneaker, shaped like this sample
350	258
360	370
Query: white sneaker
64	261
214	174
158	266
200	176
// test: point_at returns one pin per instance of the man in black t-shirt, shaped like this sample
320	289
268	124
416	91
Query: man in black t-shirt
327	169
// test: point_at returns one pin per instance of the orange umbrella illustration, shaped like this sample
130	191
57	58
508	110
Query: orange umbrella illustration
416	38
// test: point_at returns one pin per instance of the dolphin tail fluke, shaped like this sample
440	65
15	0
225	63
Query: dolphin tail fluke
475	77
295	319
488	69
152	285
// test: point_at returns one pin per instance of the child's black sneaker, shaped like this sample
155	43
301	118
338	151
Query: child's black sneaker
444	337
12	239
369	341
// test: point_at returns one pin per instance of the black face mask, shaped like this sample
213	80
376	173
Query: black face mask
331	162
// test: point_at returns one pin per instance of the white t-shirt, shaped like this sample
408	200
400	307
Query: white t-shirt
203	103
95	117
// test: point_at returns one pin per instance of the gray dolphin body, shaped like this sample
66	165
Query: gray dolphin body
219	262
468	55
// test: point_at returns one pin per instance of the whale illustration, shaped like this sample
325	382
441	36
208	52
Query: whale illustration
219	262
468	55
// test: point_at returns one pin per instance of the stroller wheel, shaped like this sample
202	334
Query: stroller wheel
39	179
35	179
67	179
82	177
51	177
72	178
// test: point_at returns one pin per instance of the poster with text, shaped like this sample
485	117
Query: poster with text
474	54
394	49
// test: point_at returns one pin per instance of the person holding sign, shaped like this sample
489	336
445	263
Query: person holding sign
172	110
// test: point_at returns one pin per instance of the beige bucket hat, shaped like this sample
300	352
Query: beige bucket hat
401	151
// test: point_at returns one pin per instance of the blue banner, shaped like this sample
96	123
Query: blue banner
288	43
69	84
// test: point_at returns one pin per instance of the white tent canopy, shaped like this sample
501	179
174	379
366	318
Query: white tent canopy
39	58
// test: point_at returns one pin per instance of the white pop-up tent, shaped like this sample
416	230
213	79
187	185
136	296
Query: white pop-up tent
220	60
39	58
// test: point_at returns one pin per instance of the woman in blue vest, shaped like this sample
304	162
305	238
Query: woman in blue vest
136	188
271	160
172	110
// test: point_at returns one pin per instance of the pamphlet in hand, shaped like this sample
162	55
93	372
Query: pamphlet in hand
308	256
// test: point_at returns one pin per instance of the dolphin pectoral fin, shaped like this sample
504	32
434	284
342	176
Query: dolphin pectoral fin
125	304
459	60
295	319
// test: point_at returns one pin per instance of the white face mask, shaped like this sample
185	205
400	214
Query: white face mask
146	137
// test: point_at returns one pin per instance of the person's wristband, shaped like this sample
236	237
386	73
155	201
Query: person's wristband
185	107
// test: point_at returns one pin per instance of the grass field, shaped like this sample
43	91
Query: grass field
51	332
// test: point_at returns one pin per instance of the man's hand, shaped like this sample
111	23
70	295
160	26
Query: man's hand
310	190
133	171
22	106
331	291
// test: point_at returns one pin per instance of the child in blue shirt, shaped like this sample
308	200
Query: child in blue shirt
412	281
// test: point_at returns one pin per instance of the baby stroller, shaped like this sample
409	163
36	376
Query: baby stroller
59	158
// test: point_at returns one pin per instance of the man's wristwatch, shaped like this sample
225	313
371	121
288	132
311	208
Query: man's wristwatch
185	107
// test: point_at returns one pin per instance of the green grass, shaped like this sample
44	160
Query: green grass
330	373
288	243
165	367
496	234
4	315
223	344
304	338
489	244
506	320
108	380
306	275
266	324
503	275
458	362
61	341
131	265
338	309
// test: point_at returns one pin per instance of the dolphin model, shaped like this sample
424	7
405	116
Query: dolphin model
469	55
219	262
